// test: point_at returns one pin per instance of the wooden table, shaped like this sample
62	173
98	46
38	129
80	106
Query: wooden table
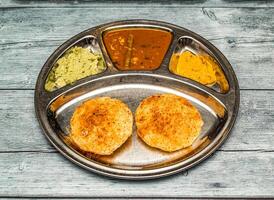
29	32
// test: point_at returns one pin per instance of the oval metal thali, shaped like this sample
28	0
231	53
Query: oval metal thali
134	159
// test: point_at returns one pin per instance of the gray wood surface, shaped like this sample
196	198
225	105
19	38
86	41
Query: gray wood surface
29	32
140	3
224	174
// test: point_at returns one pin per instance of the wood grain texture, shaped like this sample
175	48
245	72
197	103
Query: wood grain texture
44	24
50	175
30	31
29	35
141	3
20	131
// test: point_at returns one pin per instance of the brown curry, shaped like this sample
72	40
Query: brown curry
137	48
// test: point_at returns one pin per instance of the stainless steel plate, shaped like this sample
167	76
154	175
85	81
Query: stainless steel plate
136	160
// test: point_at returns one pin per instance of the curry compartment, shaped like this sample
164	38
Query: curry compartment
192	60
137	48
82	59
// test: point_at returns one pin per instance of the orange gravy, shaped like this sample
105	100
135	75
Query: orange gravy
137	48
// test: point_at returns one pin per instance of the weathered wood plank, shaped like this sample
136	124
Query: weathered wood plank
142	3
21	62
245	36
20	130
106	198
43	24
224	174
31	30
